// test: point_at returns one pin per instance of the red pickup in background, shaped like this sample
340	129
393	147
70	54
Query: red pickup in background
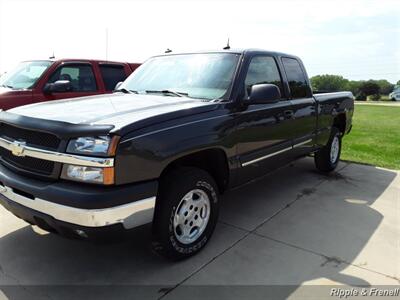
45	80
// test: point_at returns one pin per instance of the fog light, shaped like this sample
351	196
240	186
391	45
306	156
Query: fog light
88	174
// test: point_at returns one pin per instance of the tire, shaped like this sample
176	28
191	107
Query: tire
327	158
186	213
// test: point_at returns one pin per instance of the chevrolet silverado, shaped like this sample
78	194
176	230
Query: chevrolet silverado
178	132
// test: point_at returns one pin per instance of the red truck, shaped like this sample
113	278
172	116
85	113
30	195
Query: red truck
45	80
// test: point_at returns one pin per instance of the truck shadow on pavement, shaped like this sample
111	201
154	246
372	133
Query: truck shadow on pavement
288	228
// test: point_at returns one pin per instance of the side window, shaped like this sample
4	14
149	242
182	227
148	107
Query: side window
112	74
297	80
81	77
262	69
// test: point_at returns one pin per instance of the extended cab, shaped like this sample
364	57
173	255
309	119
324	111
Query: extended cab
180	131
45	80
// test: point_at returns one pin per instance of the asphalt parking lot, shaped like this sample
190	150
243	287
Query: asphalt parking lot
292	228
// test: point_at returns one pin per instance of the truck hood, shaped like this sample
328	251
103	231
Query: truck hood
4	90
7	91
118	110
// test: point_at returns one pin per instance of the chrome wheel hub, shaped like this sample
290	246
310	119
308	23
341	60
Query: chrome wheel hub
334	149
191	217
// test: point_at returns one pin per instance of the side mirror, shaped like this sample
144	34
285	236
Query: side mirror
264	93
118	85
59	86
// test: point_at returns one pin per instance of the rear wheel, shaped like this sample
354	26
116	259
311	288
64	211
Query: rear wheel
327	158
186	213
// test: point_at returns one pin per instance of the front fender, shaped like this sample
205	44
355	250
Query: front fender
144	157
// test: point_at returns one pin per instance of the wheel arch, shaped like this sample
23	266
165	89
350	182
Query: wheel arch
340	123
212	160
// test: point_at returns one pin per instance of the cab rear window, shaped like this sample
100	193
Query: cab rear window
297	80
112	74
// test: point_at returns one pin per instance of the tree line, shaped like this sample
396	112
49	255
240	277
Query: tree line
361	89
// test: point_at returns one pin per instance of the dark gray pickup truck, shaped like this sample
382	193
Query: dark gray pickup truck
176	134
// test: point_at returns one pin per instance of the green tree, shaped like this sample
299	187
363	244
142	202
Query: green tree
368	88
385	86
328	83
354	86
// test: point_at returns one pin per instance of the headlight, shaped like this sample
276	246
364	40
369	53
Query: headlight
104	146
96	146
88	174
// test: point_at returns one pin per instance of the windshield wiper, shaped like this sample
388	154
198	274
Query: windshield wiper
171	92
125	91
7	86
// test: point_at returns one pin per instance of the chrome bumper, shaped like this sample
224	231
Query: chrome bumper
129	215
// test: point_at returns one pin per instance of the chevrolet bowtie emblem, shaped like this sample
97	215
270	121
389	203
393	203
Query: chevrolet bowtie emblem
17	148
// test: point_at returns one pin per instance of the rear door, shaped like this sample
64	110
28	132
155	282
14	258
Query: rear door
304	119
263	130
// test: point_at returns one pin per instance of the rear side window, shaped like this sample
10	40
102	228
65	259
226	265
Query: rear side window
262	69
112	74
297	80
80	75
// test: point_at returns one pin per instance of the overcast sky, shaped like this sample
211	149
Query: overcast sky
359	39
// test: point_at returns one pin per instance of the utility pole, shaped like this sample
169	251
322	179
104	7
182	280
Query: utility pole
106	43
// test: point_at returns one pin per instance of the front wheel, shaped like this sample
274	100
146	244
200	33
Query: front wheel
327	158
186	213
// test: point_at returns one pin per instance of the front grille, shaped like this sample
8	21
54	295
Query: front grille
31	164
34	138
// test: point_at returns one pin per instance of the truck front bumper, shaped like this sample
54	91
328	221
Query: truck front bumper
78	209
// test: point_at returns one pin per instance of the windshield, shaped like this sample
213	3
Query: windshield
25	75
205	76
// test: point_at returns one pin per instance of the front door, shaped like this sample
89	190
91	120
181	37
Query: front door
263	131
81	76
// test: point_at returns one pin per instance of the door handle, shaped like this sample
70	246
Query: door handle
288	114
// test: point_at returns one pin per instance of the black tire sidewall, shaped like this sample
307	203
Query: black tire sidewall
335	133
170	198
323	156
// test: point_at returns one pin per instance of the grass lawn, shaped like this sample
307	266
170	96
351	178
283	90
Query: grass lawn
375	137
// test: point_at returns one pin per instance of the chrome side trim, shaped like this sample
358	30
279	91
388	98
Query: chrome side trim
275	153
302	143
130	215
265	156
65	158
